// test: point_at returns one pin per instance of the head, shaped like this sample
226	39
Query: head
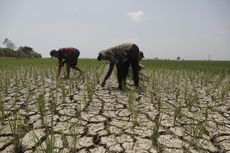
53	53
141	55
101	56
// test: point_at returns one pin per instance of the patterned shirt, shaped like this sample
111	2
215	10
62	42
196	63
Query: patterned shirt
118	53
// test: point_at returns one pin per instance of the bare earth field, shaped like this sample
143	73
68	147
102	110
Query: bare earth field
173	111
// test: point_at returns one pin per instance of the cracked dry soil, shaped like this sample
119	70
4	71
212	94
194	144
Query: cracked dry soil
108	120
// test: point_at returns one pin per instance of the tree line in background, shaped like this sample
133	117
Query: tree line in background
22	52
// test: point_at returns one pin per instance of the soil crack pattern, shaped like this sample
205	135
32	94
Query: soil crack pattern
170	112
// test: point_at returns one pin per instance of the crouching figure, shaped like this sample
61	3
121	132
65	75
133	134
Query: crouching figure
122	56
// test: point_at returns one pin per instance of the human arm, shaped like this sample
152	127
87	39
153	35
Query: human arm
111	66
61	64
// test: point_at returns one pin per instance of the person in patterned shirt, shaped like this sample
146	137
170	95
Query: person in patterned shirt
122	56
68	56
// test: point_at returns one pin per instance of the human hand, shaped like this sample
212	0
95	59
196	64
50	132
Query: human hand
103	84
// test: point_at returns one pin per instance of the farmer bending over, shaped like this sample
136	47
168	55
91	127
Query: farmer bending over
122	56
68	56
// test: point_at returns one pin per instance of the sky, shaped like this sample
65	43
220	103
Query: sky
165	29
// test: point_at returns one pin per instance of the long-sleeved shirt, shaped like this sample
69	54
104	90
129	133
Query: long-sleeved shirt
118	53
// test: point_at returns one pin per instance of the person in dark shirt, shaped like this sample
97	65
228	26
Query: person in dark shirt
140	57
122	56
68	56
140	67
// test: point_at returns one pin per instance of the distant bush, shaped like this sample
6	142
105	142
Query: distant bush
21	52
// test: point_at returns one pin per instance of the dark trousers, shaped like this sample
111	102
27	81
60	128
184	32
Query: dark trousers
122	72
74	58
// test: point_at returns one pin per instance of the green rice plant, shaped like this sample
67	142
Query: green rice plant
207	79
50	142
192	99
43	83
71	87
219	80
206	115
177	114
130	100
155	97
1	83
7	84
53	102
41	107
89	90
186	91
64	93
152	97
17	129
84	102
178	108
16	97
46	73
196	133
191	78
224	91
165	75
2	109
155	130
41	147
133	109
49	145
159	103
74	130
49	133
29	95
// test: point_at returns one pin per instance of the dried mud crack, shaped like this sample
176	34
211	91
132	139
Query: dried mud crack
81	117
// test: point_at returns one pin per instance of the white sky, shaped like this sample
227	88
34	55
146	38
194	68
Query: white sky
191	29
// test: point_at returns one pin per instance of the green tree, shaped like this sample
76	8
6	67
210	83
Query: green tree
27	52
9	44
